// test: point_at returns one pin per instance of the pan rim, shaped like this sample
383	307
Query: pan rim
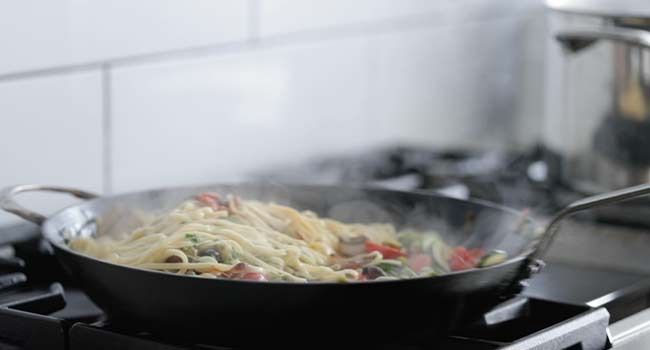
48	232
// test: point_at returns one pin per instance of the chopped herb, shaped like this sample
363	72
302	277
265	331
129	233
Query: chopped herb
230	260
390	268
406	271
189	251
192	237
231	257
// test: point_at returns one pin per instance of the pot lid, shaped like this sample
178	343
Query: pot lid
603	8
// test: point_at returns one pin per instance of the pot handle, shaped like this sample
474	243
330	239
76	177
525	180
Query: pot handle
7	202
584	204
578	39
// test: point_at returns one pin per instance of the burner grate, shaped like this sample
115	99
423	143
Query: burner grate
520	324
24	321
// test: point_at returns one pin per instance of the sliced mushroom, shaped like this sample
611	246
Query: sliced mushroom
372	272
174	259
211	252
352	246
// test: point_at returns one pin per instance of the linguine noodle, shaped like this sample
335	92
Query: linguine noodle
247	239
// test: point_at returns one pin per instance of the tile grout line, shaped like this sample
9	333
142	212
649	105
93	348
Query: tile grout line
50	71
253	20
107	132
371	67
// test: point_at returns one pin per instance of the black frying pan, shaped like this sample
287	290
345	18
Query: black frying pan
222	310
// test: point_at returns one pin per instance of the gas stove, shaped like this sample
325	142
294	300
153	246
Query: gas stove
529	179
564	307
589	304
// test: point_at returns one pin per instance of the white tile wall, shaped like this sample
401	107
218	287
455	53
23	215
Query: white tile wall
217	118
286	16
50	132
531	79
430	72
282	16
446	85
37	34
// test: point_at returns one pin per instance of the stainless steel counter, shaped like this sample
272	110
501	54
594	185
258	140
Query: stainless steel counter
632	333
600	245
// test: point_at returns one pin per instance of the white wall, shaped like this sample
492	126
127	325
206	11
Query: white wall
123	95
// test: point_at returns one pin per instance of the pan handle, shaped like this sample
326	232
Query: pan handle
8	203
584	204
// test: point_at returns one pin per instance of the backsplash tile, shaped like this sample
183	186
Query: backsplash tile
218	118
37	34
445	85
51	134
289	16
444	73
284	16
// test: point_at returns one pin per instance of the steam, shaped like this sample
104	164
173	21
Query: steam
458	222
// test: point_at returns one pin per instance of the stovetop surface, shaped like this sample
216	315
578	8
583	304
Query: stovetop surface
582	284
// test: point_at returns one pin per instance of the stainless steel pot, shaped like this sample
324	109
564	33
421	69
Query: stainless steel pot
602	129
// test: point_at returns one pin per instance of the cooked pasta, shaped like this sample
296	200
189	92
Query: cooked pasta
214	237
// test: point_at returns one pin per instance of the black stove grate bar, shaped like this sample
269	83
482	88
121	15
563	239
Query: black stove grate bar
42	304
28	331
24	324
584	328
11	281
19	233
506	311
11	264
83	336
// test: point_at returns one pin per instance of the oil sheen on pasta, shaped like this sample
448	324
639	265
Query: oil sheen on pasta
214	237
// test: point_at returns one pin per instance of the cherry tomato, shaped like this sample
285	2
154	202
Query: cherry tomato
419	261
209	199
462	259
477	253
253	276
